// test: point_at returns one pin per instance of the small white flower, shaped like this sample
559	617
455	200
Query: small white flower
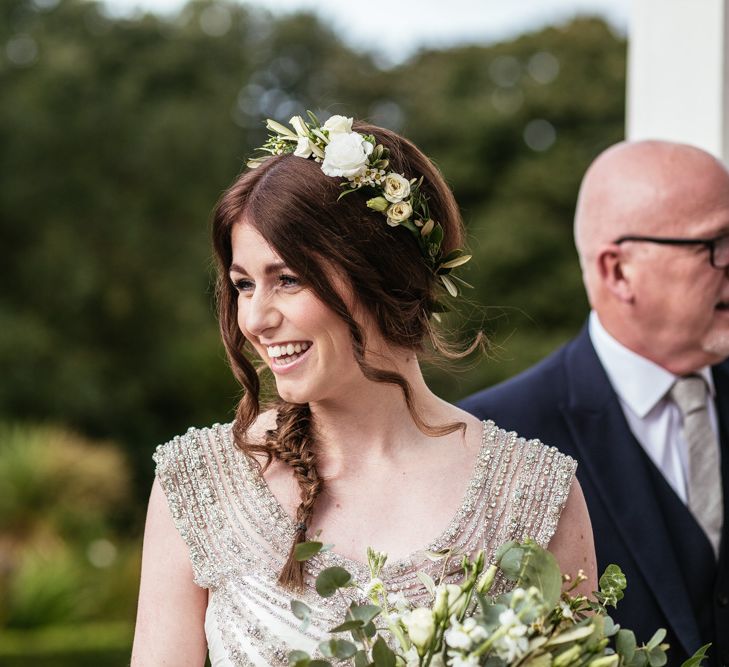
373	585
514	644
464	635
346	155
398	600
396	187
463	661
566	611
338	125
396	214
420	626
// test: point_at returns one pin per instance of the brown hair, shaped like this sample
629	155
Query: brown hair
294	206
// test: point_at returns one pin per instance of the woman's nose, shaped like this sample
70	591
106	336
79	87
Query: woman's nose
261	314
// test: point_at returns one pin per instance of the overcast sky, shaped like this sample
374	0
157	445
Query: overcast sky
401	26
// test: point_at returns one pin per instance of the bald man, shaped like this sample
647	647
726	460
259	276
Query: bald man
641	397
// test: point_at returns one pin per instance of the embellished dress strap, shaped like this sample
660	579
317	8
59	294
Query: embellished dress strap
189	474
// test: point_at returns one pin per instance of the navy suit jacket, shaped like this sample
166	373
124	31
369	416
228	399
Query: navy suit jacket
638	521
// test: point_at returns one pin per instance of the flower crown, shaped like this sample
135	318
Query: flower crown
363	163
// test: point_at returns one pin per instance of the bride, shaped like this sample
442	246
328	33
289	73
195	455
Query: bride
334	254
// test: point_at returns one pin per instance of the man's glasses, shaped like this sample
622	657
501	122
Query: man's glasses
718	246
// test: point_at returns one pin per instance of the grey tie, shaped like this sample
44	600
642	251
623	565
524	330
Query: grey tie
704	483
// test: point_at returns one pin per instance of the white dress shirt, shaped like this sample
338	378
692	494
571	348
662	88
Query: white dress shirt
642	388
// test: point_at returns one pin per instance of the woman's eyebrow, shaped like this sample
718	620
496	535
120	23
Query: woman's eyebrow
270	268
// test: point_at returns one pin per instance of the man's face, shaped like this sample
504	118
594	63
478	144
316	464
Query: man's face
681	302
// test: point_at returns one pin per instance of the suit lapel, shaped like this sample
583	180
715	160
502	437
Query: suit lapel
616	466
721	382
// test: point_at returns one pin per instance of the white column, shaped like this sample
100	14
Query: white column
678	73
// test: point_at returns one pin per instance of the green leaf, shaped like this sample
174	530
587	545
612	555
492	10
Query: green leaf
382	654
612	584
509	558
449	285
306	550
337	648
331	580
279	129
298	659
696	658
301	611
458	261
657	657
364	612
361	659
427	581
348	625
656	639
539	568
625	644
572	635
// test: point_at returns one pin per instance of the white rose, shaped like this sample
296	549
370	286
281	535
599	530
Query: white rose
398	213
420	626
338	125
297	122
346	155
396	187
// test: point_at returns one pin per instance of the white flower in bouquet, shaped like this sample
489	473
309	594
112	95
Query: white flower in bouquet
463	661
464	635
346	155
537	623
514	643
420	625
338	125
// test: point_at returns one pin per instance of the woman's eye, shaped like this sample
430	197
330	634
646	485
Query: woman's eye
243	285
288	281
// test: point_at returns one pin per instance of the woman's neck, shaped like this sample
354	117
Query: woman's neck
373	422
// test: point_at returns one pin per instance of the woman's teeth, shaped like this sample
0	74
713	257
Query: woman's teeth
285	354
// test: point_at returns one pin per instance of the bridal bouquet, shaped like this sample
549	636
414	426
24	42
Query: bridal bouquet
538	623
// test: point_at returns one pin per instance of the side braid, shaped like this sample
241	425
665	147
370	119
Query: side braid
292	443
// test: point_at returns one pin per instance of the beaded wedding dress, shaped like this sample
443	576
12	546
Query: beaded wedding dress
239	536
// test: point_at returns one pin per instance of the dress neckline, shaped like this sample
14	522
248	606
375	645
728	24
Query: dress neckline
360	569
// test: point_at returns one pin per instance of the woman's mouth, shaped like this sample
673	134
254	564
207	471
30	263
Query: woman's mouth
284	355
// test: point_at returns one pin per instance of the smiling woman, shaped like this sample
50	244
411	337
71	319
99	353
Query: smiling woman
332	265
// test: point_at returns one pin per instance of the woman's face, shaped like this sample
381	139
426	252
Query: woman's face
304	343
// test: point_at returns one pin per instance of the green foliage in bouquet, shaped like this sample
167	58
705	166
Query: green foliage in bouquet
540	622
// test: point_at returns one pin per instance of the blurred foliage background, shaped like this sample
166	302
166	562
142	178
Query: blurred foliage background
117	136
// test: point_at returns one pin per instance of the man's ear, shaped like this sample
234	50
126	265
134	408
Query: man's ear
615	272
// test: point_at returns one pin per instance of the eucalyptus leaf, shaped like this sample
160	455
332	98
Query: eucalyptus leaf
657	657
306	550
320	663
656	639
337	648
361	659
331	580
365	612
508	557
302	612
382	654
539	568
298	659
348	625
625	644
